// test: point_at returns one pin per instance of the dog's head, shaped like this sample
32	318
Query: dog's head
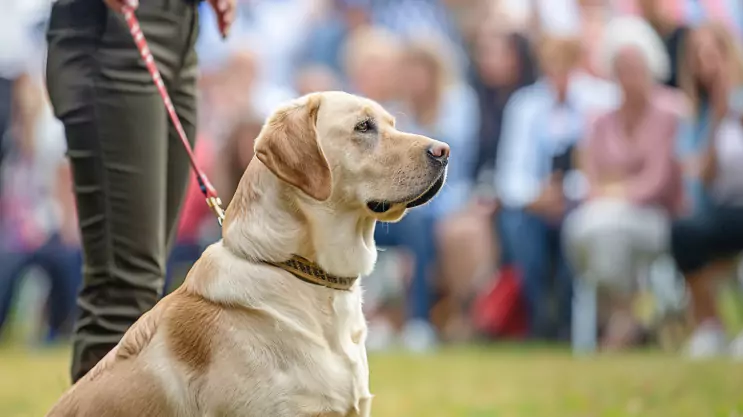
344	151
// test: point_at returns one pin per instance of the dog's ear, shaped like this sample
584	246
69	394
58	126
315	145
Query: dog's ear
288	146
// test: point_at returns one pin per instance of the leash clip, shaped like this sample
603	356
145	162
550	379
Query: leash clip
215	203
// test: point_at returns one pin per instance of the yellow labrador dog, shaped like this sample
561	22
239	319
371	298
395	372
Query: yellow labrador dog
268	322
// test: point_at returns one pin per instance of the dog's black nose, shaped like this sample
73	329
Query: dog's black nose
439	152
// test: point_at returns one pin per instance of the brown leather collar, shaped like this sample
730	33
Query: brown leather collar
308	271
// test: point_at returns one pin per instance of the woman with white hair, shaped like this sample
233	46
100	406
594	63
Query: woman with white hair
633	177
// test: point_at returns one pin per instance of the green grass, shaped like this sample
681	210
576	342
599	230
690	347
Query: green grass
504	381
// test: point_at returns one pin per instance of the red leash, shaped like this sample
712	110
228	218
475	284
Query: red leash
212	199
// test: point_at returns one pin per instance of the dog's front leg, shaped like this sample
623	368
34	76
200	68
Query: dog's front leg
364	409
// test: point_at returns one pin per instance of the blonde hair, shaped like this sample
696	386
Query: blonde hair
558	52
730	49
439	57
367	43
635	32
437	54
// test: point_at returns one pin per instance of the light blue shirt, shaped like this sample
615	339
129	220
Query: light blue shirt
692	138
528	143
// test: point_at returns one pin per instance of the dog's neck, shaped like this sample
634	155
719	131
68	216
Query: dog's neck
268	220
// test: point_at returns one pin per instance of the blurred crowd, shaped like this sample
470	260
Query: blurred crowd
597	154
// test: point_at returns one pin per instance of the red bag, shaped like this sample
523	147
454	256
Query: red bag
499	311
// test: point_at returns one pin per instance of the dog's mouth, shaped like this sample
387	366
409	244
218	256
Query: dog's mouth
382	206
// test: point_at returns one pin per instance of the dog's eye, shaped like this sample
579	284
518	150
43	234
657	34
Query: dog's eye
364	126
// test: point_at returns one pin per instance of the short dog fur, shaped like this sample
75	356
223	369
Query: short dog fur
243	338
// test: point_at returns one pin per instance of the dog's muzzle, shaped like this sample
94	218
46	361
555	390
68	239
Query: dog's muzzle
382	206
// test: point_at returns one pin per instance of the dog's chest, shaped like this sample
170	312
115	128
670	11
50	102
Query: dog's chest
298	369
334	380
341	381
346	338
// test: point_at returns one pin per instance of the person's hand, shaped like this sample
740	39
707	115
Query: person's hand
551	202
225	10
720	96
613	190
119	5
708	163
720	107
70	236
484	206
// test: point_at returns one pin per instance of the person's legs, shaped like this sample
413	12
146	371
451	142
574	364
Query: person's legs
702	289
577	249
595	243
120	186
117	134
709	337
640	239
691	241
526	237
414	233
417	235
12	264
62	264
690	247
584	321
466	255
505	253
599	252
727	239
381	330
609	243
721	233
727	232
564	280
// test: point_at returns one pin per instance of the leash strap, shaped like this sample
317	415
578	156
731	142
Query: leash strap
210	193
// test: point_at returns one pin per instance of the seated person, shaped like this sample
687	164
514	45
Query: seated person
438	103
633	177
38	224
706	244
541	124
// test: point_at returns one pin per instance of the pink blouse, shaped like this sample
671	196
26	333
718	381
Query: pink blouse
646	162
